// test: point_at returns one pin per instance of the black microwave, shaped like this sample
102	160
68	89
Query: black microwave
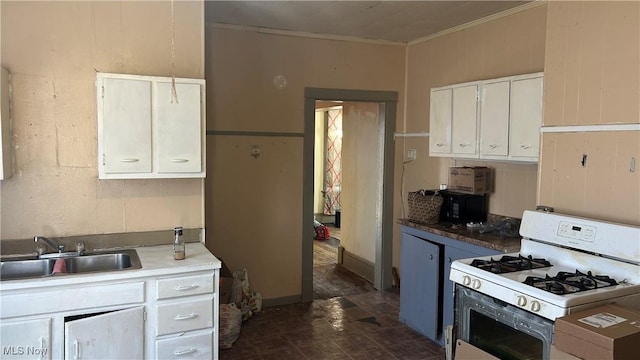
462	208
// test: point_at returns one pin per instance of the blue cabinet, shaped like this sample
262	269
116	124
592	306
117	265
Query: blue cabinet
420	275
426	293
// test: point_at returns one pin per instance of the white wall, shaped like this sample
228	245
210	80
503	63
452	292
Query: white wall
361	179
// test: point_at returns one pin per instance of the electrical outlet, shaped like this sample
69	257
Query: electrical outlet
411	154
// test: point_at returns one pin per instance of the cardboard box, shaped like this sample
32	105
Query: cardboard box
226	281
470	180
604	332
466	351
561	355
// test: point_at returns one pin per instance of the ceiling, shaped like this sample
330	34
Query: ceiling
396	21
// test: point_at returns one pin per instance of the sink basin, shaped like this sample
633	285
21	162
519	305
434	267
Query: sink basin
22	268
100	262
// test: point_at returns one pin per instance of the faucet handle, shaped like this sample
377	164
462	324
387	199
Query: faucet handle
60	248
80	248
40	249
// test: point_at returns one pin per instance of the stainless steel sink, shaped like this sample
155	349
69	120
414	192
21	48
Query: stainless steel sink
100	262
22	268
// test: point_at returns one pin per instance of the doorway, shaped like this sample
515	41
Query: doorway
386	103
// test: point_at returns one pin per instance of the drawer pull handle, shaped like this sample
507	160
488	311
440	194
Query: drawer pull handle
185	287
186	317
129	160
179	160
185	352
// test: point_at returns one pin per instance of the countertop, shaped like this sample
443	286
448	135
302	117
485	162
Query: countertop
489	240
155	260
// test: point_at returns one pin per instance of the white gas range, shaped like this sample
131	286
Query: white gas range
565	264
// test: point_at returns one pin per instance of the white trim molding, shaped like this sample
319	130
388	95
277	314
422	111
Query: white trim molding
590	128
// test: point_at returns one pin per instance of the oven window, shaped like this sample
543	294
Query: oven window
501	340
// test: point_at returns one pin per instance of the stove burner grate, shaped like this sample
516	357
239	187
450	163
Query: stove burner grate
509	263
567	283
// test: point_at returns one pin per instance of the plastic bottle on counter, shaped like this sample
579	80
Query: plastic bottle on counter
178	244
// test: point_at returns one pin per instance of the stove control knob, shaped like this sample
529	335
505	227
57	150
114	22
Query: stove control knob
475	284
521	300
466	281
535	306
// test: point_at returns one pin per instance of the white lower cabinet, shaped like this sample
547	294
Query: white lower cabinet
29	339
150	317
112	335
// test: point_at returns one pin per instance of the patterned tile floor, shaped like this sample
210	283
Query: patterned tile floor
348	320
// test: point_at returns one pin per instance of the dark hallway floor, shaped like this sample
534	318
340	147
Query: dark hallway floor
348	319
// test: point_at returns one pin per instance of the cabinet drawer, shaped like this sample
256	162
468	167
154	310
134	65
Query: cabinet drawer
184	316
197	346
70	299
184	286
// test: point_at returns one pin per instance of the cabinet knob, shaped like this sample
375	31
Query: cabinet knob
464	144
525	146
439	144
179	160
129	160
493	146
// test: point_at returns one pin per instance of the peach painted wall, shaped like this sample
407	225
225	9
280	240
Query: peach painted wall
592	76
254	206
52	51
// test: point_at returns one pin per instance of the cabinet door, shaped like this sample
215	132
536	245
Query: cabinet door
494	119
419	293
440	122
30	339
126	126
179	128
114	335
526	118
465	118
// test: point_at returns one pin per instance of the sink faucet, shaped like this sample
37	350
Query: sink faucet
51	244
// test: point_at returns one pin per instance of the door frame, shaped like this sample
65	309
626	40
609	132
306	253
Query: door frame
384	244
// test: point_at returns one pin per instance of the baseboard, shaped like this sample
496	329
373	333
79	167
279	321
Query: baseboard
354	263
285	300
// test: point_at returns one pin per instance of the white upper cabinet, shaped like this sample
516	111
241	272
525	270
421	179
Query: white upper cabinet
440	124
126	126
179	139
6	166
465	117
145	133
526	118
494	115
502	123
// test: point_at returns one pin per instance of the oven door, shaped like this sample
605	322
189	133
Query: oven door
501	329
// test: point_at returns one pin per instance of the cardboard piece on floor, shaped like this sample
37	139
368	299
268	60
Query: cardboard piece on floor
466	351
